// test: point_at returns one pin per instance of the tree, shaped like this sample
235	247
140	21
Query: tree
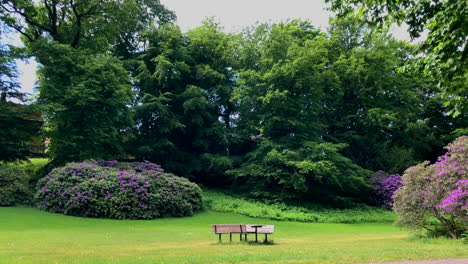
281	104
445	50
390	119
436	191
86	100
183	111
93	24
86	93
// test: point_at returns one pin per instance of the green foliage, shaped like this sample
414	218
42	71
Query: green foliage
14	186
85	100
84	90
87	189
281	102
222	202
18	125
184	111
315	171
280	110
444	50
391	120
33	168
92	24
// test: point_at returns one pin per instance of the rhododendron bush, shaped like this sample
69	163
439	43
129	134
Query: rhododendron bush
384	186
139	190
435	197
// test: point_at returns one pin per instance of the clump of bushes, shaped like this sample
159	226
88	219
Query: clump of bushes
104	189
14	186
435	197
384	186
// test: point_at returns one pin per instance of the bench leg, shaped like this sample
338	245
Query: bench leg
219	238
241	237
266	238
230	237
245	236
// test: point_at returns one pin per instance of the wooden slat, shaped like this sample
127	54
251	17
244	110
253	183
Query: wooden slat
241	229
228	228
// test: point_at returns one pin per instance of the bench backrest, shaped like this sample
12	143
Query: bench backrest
229	228
265	229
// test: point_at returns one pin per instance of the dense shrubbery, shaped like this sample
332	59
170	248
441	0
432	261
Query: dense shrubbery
33	168
104	189
435	197
314	213
385	187
14	186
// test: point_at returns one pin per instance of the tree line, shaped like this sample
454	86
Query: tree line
280	110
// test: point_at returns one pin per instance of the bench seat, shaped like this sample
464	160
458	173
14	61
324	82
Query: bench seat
242	229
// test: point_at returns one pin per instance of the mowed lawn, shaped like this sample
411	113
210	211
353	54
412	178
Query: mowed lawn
28	235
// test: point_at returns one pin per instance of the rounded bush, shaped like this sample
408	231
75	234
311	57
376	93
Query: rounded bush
14	187
98	189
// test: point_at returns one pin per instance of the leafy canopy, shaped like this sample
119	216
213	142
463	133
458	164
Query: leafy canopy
444	53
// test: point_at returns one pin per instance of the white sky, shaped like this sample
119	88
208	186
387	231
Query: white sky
233	15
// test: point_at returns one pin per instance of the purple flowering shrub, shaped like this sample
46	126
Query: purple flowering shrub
435	197
384	186
456	202
95	189
136	166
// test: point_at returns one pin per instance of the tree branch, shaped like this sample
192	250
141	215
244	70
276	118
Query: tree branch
26	17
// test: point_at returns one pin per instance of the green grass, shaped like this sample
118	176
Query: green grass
34	164
222	202
28	235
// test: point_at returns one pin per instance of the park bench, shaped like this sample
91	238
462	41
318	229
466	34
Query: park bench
230	229
243	230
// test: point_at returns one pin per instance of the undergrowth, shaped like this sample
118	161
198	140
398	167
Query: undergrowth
222	202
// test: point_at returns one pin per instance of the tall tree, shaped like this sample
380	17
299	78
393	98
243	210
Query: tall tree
184	112
445	50
86	103
85	92
281	103
382	113
94	24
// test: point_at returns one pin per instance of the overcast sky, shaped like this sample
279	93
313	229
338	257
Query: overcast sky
233	15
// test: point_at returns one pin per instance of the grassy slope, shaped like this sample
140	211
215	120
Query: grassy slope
28	235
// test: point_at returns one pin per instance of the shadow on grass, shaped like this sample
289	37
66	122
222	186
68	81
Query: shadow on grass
249	243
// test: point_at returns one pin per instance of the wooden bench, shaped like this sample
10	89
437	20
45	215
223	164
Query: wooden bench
243	230
230	229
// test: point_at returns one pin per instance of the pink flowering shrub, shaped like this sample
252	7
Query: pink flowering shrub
97	189
456	202
435	197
